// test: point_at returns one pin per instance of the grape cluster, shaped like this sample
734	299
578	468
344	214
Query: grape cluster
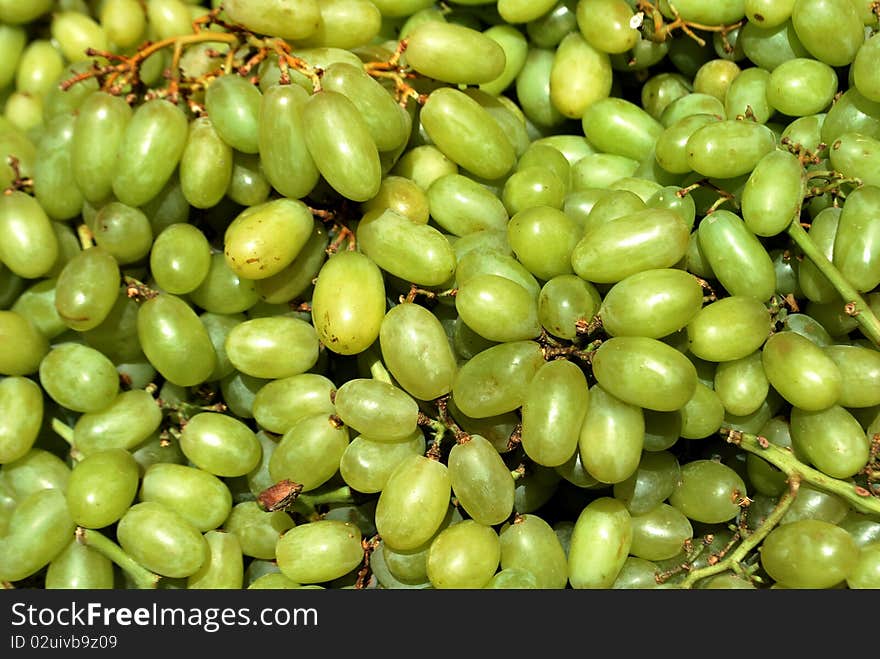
473	294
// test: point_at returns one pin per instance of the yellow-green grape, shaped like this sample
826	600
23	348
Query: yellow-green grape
79	378
29	247
38	530
553	412
855	155
23	346
123	22
708	492
600	544
16	13
79	567
644	240
652	482
768	13
702	415
772	196
150	149
865	76
310	452
221	445
339	141
728	329
376	409
543	238
620	127
809	553
728	148
175	341
366	463
222	290
801	86
21	415
690	104
170	18
37	304
180	258
496	380
529	543
454	53
671	149
660	533
859	368
233	104
348	303
580	76
498	308
467	134
416	253
416	481
161	540
831	30
129	420
258	531
272	347
403	196
224	566
102	487
741	384
39	66
288	19
653	303
481	481
97	133
493	262
423	165
866	573
38	469
715	78
199	497
801	372
831	439
516	47
611	437
464	556
279	404
319	551
296	279
75	33
205	164
123	231
416	351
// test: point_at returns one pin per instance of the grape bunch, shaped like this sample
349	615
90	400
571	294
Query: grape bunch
474	294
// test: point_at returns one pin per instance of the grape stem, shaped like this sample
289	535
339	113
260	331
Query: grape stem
783	459
855	303
732	561
142	577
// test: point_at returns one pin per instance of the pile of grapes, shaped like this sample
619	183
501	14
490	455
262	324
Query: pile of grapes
469	294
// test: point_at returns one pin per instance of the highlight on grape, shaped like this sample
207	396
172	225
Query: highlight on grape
404	294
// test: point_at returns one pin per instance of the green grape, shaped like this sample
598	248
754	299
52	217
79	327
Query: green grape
281	403
454	53
715	78
772	196
205	165
801	86
220	444
652	303
866	573
611	437
728	329
550	228
702	415
21	415
272	347
200	498
87	289
366	464
417	253
645	240
620	127
423	165
130	418
737	258
851	113
74	32
855	155
348	303
728	148
319	551
645	372
532	187
741	384
496	380
123	22
831	439
497	308
692	104
515	46
79	378
180	258
248	186
102	487
768	13
310	452
464	556
659	533
814	20
416	351
161	540
339	141
124	232
637	573
655	478
580	75
812	503
97	133
148	153
224	566
671	147
480	481
477	262
859	369
295	280
175	341
708	492
416	481
864	74
809	554
37	304
801	372
233	104
748	95
38	530
553	411
288	19
823	232
29	247
79	567
258	531
402	196
564	303
529	543
376	409
466	133
35	470
601	170
600	543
